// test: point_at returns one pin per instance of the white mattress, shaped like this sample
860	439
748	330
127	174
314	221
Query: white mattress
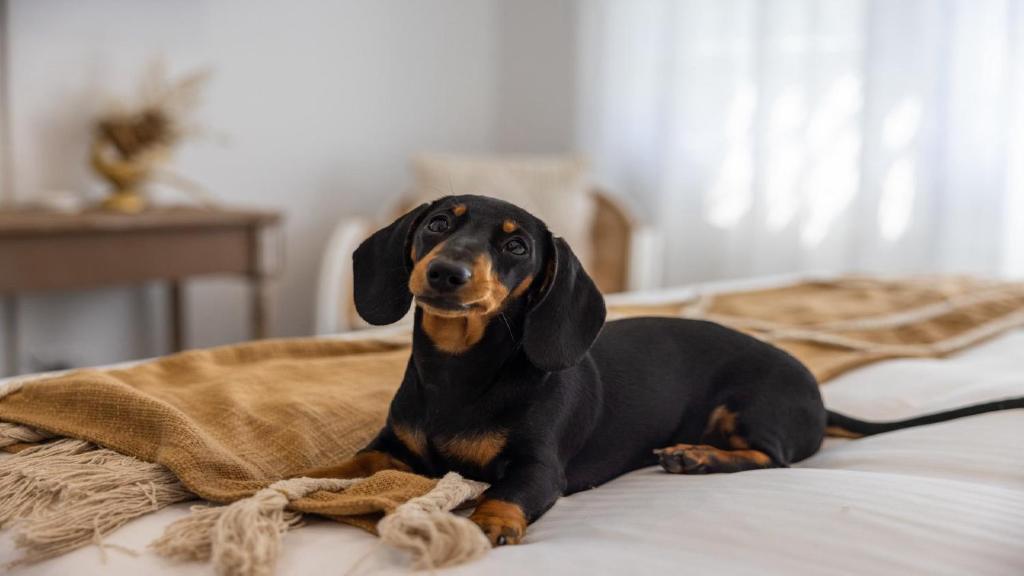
940	499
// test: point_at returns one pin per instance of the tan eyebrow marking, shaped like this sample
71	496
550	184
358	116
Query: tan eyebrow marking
509	226
459	209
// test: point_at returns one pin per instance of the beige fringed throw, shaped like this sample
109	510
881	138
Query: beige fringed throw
224	425
95	449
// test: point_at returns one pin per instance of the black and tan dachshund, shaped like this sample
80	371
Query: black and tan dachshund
515	378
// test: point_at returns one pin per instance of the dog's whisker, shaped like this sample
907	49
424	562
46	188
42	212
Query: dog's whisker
508	326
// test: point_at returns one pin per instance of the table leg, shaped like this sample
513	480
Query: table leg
258	306
10	303
258	293
177	315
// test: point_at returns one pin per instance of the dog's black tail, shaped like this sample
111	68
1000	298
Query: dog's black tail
846	427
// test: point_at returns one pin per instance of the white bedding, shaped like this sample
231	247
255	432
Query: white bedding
940	499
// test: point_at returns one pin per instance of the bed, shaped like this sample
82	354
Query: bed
940	499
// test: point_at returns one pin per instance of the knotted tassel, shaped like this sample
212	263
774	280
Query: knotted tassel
425	526
244	537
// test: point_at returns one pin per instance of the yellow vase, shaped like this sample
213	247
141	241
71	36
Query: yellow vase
124	201
126	176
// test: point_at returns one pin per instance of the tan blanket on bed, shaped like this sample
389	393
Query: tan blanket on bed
229	421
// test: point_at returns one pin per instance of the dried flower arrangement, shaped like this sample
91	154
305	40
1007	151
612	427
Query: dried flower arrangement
132	141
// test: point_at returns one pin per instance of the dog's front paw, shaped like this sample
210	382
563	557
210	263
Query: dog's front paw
502	522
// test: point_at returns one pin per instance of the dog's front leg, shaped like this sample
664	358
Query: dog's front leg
362	465
385	452
526	491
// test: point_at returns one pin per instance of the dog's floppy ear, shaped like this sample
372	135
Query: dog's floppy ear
381	267
560	328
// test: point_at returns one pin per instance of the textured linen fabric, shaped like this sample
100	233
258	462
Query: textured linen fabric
836	325
229	421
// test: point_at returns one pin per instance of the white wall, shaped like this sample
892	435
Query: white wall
536	84
322	104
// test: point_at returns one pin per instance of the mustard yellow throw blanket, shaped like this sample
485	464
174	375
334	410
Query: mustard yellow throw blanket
96	448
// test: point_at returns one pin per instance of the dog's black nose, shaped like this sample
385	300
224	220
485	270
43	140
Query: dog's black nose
445	276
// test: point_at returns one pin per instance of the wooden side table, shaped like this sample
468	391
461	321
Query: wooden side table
42	251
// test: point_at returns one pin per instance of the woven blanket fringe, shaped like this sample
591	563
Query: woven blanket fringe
69	493
244	537
17	434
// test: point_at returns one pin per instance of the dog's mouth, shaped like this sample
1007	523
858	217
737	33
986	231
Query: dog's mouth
446	306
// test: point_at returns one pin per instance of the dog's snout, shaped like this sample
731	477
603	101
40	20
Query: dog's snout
446	276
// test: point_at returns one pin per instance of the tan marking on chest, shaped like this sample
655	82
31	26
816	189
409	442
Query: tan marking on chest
414	439
479	449
454	335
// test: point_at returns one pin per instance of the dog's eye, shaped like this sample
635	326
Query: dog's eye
516	246
438	224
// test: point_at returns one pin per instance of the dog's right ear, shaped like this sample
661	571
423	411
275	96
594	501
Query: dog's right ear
562	326
381	267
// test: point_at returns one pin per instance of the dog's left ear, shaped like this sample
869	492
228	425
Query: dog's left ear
561	327
381	267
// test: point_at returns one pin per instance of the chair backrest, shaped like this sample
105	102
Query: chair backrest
611	237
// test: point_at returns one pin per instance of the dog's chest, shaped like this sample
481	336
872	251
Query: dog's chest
449	442
462	424
452	450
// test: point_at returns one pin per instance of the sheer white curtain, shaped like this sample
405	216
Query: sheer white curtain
783	135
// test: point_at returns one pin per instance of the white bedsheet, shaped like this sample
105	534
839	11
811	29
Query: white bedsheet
940	499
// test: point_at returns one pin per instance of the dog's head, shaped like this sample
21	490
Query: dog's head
473	257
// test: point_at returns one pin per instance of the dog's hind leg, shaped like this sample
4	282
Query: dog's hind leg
706	459
725	446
